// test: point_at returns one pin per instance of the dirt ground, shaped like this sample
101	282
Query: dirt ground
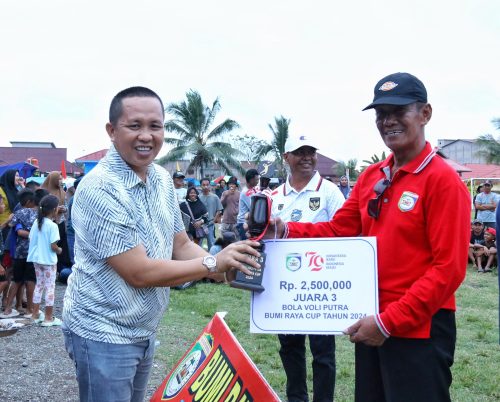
34	365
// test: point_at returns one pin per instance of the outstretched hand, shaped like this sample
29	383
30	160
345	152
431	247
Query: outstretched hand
234	256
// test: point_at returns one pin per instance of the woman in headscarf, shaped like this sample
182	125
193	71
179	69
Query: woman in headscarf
8	191
344	187
54	185
196	210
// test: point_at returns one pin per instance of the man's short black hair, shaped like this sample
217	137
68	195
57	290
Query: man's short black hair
39	194
116	109
32	185
250	174
26	195
205	179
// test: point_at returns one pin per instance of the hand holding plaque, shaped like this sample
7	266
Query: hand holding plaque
258	220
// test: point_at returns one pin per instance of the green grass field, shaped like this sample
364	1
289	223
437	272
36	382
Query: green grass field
476	368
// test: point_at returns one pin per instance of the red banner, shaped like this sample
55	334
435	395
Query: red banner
215	368
63	170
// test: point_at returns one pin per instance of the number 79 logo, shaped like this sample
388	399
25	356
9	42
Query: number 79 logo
316	260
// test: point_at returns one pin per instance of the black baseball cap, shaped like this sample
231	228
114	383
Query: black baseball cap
178	174
398	89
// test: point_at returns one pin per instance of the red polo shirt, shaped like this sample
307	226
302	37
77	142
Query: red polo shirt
422	239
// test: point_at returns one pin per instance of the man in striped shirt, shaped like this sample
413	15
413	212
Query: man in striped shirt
130	247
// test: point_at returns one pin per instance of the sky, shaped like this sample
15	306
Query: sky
315	62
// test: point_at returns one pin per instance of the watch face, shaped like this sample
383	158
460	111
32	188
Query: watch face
210	262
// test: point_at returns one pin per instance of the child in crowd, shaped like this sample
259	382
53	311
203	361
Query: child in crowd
43	252
24	272
490	249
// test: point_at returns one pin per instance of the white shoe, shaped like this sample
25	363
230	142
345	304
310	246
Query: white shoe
12	314
55	322
41	318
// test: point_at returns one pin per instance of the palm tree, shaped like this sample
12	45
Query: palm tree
490	148
277	145
197	140
374	159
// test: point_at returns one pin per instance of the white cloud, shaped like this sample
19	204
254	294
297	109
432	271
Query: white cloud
315	63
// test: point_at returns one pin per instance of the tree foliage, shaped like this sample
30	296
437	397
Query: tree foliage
248	145
374	159
276	148
197	139
490	148
350	165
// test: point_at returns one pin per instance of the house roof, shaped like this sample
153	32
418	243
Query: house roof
452	141
481	170
94	156
49	159
33	144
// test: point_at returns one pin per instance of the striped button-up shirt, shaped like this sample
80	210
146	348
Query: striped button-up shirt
115	211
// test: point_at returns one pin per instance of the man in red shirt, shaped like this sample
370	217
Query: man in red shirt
405	352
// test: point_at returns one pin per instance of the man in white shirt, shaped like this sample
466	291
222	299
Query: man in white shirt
486	204
306	197
180	188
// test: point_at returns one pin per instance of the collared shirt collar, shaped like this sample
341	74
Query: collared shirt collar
416	165
313	184
128	176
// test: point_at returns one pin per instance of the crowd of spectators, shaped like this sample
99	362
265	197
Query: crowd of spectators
20	204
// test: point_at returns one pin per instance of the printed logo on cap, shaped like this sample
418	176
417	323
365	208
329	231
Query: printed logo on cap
387	86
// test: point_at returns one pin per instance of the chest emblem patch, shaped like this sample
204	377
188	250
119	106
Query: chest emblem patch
407	201
280	207
314	203
296	215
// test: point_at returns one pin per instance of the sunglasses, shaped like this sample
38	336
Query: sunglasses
375	204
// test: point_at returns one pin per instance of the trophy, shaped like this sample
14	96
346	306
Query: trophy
258	219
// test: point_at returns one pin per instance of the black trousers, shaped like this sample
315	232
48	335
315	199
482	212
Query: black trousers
293	356
409	370
63	259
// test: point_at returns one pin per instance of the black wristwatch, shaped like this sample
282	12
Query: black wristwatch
210	263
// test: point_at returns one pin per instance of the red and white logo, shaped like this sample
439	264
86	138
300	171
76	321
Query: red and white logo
387	86
315	261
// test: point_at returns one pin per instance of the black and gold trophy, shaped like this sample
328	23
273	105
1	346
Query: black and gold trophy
258	220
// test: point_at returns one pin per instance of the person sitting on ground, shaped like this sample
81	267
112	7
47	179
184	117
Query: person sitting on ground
222	242
489	254
476	240
23	271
